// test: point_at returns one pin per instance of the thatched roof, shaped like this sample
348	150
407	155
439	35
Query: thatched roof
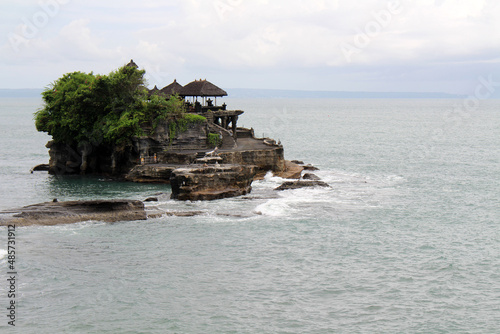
171	89
201	88
132	64
155	90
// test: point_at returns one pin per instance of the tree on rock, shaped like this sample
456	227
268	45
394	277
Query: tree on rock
97	117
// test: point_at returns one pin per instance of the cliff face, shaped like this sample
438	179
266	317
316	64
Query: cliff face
194	137
99	158
138	160
89	159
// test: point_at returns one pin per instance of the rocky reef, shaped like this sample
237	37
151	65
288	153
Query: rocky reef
55	213
289	185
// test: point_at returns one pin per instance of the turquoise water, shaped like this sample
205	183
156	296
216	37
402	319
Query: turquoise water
406	240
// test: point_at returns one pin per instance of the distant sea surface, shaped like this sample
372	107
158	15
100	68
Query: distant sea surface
406	240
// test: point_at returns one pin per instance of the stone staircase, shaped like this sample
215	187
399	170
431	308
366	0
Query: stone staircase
228	141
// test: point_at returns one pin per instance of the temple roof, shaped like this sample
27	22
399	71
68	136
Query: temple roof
201	88
155	90
171	89
132	64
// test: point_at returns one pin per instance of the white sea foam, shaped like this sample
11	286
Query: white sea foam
348	191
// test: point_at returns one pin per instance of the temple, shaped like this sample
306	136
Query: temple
200	97
206	157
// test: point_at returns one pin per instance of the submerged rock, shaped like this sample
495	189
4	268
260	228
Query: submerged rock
310	167
211	182
55	213
301	184
40	168
310	176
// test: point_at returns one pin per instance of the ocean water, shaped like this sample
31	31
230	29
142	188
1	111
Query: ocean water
406	240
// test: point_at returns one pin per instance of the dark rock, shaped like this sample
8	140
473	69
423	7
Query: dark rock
85	158
41	168
151	199
301	184
211	182
310	176
184	213
55	213
310	167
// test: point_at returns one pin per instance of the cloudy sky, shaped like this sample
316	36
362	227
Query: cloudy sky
338	45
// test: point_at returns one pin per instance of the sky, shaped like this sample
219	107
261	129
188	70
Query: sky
446	46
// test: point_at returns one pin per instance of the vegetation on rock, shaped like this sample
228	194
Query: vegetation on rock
104	109
214	139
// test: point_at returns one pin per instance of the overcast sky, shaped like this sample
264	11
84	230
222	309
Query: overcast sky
346	45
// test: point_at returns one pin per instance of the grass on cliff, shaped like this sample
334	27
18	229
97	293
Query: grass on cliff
181	124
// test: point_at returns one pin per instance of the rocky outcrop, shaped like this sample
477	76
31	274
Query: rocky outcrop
269	159
310	167
152	173
291	171
288	185
163	145
55	213
211	182
310	176
40	168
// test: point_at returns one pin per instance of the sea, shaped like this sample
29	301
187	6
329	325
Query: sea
405	240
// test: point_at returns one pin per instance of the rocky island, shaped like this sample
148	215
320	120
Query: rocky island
113	125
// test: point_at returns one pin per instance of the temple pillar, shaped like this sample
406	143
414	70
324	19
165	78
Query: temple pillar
234	121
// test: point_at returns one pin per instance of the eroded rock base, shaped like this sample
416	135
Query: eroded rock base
212	182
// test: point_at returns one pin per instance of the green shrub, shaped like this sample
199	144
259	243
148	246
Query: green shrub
214	139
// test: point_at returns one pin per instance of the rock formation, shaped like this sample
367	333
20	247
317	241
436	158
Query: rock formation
55	213
288	185
211	182
310	176
151	173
